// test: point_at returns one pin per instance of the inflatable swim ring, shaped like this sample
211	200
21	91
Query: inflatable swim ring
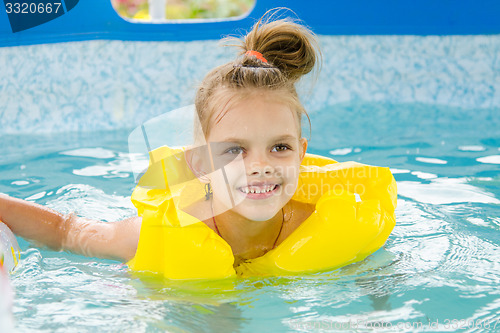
354	216
10	254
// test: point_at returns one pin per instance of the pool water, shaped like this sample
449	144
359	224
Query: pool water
439	270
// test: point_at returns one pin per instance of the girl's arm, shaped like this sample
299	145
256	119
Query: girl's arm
112	240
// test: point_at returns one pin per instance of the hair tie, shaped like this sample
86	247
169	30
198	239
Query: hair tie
258	55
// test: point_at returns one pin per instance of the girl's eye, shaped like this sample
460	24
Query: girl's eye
234	150
281	147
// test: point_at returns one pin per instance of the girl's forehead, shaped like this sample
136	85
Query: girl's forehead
257	112
255	116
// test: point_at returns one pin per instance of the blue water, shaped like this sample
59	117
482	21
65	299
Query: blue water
439	270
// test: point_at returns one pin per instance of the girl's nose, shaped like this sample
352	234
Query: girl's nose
258	165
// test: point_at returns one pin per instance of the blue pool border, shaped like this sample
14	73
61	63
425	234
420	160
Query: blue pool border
96	19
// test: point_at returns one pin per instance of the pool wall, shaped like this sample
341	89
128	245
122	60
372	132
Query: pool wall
96	19
77	73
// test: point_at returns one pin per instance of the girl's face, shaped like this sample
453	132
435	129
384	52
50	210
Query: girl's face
256	151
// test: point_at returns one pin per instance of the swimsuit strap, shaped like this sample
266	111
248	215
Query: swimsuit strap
281	228
215	224
277	237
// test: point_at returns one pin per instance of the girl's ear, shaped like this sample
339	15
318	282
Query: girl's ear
303	148
196	164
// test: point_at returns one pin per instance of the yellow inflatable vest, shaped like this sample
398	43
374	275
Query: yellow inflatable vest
354	216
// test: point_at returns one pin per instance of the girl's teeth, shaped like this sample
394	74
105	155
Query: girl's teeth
257	190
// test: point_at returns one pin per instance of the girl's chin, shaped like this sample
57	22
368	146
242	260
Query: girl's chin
257	210
259	218
257	213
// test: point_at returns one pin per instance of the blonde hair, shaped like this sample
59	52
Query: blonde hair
291	51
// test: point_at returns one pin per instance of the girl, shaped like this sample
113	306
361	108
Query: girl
248	157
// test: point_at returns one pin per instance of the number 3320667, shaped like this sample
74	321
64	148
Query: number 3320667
32	8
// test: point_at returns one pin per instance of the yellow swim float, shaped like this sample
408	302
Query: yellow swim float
354	216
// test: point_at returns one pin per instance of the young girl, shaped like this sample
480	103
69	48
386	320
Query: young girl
250	158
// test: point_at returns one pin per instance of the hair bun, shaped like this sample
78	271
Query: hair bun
289	46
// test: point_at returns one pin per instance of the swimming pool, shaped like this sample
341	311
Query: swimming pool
428	107
441	262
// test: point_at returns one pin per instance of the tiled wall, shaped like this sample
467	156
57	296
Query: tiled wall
95	85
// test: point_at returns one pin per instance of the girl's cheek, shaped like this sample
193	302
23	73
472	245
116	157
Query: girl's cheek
236	168
289	189
290	170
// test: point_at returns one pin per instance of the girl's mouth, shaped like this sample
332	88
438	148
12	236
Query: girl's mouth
259	191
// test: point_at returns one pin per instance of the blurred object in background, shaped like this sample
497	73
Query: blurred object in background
6	298
184	9
10	254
